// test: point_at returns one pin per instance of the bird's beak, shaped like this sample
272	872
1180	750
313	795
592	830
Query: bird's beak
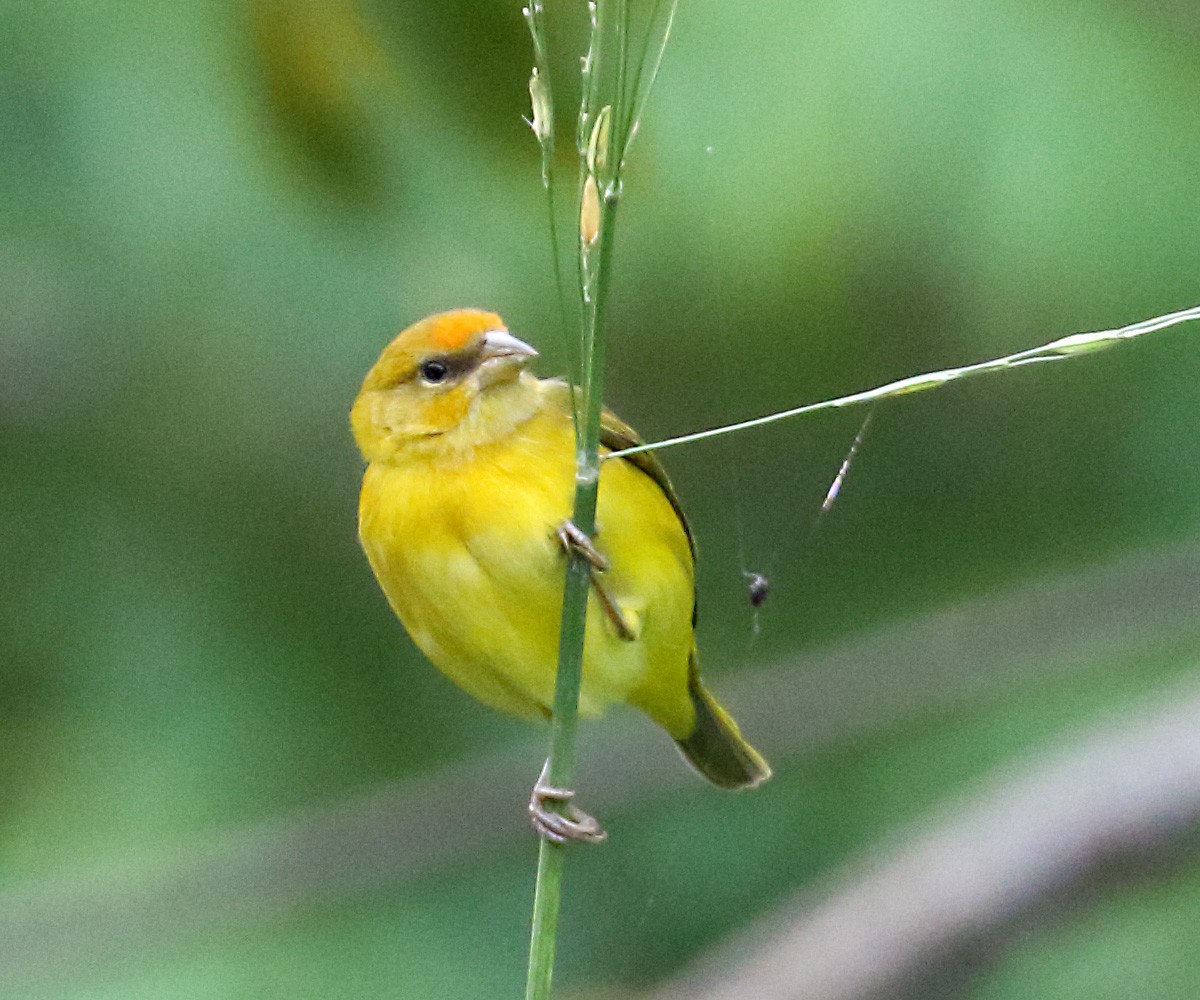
503	356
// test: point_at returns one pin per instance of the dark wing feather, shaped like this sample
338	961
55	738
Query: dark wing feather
615	435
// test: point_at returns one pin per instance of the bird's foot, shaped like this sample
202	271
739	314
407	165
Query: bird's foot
561	828
574	540
626	627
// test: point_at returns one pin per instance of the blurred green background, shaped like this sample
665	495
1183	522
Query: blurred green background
213	218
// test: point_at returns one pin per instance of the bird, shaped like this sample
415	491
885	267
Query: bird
464	517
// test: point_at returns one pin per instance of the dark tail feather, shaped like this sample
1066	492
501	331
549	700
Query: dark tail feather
716	748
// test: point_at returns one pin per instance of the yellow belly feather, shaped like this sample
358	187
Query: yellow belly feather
486	520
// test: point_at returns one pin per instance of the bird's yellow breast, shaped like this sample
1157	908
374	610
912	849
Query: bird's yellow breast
463	544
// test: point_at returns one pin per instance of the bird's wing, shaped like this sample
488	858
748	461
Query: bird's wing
615	435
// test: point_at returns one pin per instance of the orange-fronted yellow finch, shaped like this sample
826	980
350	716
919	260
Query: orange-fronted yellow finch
464	513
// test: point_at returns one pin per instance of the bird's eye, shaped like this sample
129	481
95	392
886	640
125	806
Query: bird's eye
434	371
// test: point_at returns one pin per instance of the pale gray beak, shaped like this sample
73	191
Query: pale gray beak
502	344
503	356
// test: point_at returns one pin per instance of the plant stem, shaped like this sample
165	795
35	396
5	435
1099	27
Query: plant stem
547	896
535	17
1062	349
600	173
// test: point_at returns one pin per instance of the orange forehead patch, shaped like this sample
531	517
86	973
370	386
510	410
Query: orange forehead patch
452	330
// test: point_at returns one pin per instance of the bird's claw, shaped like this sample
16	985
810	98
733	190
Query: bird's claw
560	828
574	540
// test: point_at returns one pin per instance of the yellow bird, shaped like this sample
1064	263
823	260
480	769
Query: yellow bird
464	515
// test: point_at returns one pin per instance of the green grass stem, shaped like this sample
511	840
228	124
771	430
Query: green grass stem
1062	349
594	261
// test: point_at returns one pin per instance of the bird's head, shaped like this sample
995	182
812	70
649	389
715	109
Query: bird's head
452	380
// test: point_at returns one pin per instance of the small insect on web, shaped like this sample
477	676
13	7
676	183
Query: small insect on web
758	587
758	583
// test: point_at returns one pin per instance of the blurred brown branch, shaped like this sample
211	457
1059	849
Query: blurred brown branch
1122	800
398	833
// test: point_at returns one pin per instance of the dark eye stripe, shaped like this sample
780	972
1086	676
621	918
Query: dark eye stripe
453	365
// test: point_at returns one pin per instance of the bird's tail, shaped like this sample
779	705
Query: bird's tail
716	747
